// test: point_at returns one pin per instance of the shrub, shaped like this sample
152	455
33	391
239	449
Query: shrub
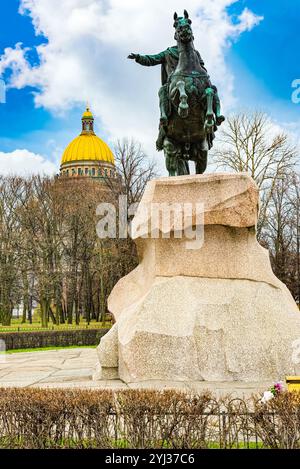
56	338
77	418
278	421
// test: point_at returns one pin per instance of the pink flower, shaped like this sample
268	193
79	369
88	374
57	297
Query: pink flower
272	392
278	386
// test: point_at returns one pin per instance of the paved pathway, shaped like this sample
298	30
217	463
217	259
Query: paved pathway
71	368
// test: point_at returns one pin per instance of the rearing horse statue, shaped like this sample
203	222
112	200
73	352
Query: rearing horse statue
189	103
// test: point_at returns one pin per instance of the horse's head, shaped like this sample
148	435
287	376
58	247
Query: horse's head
183	28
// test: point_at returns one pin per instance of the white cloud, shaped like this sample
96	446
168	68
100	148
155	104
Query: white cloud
86	56
292	129
247	20
25	163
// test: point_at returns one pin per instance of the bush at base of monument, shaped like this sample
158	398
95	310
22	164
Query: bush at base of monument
81	419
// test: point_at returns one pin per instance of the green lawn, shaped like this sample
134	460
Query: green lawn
17	326
47	348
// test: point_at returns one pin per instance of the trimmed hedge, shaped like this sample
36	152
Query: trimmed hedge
78	418
63	338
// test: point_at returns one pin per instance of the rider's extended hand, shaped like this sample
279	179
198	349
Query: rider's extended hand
132	56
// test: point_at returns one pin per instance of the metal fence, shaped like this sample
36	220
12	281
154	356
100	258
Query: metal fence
129	420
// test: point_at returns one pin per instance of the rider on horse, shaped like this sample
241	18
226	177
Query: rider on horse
168	60
190	108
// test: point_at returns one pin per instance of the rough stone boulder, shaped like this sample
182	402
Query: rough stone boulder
210	311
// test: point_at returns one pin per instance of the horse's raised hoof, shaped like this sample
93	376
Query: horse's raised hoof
220	119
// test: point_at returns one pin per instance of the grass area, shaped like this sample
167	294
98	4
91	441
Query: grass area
44	349
84	443
17	326
240	445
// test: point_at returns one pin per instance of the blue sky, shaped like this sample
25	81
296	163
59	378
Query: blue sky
24	124
267	59
263	63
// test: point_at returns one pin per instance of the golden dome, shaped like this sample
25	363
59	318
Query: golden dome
87	147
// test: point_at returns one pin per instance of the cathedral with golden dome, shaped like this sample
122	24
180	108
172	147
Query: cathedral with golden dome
87	155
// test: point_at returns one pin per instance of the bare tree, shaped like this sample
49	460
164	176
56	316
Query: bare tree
294	199
134	169
41	219
10	231
247	143
278	232
49	248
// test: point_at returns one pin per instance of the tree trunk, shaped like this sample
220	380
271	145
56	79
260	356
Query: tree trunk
102	300
77	314
30	311
52	316
6	307
6	315
44	312
25	297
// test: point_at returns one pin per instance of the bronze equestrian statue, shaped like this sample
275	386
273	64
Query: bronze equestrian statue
190	109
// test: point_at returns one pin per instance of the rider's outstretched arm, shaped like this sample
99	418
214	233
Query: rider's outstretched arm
148	60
